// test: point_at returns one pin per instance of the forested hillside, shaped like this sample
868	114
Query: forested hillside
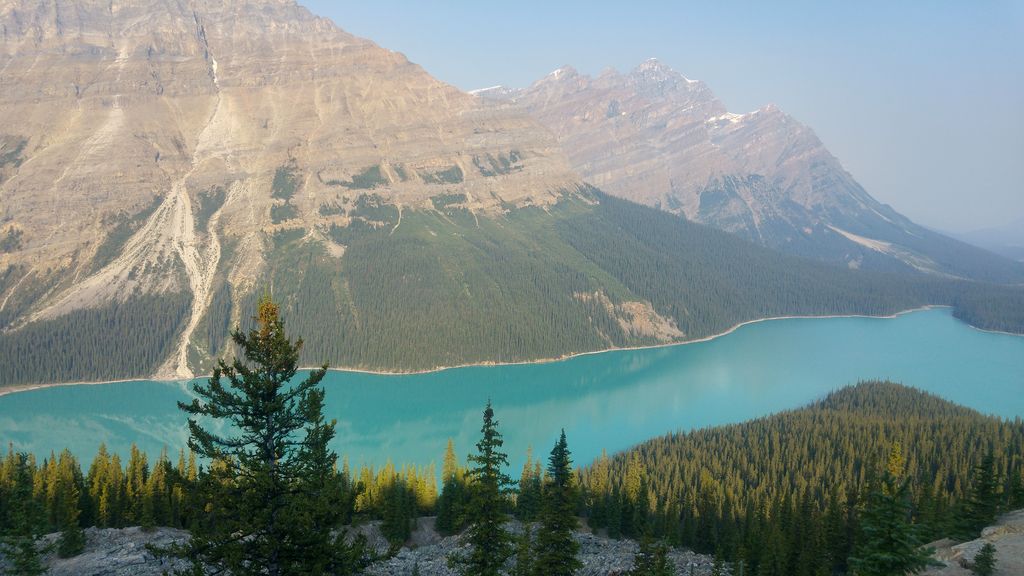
419	289
785	493
448	287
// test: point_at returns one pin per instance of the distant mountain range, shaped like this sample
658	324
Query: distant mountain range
1006	240
162	164
656	137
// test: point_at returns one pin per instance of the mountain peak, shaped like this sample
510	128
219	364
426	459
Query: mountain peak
564	73
654	64
655	69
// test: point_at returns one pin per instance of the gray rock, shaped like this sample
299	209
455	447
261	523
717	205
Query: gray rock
1007	535
124	552
600	556
117	552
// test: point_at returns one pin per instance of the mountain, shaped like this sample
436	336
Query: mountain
1006	240
166	163
153	148
656	137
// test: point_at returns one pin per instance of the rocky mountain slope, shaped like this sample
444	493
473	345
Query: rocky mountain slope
162	164
153	147
654	136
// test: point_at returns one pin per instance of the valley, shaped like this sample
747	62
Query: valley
261	277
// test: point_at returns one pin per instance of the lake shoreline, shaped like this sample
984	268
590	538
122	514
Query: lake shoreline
30	387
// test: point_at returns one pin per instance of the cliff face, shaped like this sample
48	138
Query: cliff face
142	141
656	137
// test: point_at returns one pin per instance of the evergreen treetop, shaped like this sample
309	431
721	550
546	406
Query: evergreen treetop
272	486
492	544
556	549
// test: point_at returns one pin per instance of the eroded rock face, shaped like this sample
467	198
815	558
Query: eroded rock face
117	102
659	138
176	128
653	136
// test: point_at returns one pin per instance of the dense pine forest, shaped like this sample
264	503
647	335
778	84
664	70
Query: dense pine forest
447	287
123	340
785	494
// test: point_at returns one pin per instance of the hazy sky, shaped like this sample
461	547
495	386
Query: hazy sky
923	102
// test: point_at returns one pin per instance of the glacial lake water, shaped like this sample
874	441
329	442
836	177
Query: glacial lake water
604	401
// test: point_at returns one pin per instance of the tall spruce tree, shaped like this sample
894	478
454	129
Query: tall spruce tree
451	503
524	553
68	491
19	539
556	549
268	493
889	544
982	504
528	501
492	544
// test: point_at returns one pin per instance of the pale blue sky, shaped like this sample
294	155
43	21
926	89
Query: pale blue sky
922	101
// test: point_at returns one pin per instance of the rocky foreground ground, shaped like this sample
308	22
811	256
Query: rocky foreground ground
1007	535
600	556
124	552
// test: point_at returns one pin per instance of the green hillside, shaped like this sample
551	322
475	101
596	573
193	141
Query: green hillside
446	286
783	493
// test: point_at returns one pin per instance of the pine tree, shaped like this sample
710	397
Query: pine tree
19	539
613	511
662	566
640	523
985	561
718	566
111	498
135	484
68	498
397	513
889	545
651	559
1015	495
555	548
983	502
529	497
492	545
524	553
267	492
598	492
451	502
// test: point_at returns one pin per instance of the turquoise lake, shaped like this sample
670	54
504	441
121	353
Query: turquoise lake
604	401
